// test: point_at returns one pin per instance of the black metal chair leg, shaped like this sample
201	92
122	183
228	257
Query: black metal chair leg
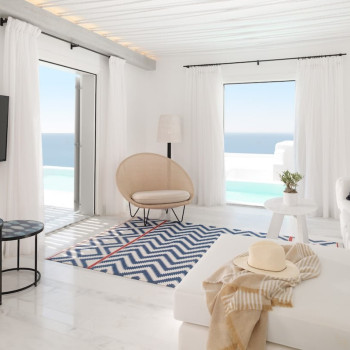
36	261
183	212
133	215
145	218
18	253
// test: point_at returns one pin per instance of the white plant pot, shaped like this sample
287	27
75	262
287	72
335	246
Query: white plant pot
290	199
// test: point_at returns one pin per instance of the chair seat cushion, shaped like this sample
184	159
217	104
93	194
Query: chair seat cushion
160	197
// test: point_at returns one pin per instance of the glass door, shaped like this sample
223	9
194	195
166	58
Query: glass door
58	119
67	112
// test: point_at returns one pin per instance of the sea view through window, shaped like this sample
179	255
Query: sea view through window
57	114
259	134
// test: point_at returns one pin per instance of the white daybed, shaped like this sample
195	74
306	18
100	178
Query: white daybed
320	318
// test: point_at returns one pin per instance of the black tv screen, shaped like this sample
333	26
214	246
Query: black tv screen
4	111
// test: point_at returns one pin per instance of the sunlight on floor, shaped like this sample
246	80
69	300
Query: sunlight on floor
57	218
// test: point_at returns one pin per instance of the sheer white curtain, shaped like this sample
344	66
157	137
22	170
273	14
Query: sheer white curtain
21	194
321	146
114	130
205	109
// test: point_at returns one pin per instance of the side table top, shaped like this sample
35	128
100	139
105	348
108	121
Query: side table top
304	206
18	229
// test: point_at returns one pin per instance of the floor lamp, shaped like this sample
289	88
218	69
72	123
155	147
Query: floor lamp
169	130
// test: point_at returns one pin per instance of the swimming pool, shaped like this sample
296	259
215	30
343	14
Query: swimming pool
252	193
60	181
59	178
58	186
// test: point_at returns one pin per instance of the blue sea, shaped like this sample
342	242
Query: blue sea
253	143
58	150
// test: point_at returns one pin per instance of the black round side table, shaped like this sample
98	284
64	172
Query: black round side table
16	230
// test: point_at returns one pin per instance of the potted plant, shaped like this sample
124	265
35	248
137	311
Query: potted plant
290	194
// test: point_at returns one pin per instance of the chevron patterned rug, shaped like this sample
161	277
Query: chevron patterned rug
162	252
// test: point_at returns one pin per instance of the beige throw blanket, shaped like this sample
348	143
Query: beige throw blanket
238	300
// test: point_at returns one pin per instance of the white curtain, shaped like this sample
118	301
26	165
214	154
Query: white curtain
114	130
321	130
205	109
21	175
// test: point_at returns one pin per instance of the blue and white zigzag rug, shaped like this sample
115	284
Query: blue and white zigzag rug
162	252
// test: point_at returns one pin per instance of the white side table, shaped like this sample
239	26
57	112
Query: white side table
299	211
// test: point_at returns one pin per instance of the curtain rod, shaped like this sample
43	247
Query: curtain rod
258	61
72	45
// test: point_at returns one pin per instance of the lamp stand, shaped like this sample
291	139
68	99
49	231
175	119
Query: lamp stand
169	150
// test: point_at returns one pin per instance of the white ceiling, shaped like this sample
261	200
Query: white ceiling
166	27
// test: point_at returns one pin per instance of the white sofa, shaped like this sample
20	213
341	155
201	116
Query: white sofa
342	191
320	318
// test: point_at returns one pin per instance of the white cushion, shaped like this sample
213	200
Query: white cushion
160	197
194	337
319	318
345	205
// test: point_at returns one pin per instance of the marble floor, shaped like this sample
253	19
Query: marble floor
75	308
58	217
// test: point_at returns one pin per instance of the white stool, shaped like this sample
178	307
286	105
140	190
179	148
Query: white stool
299	211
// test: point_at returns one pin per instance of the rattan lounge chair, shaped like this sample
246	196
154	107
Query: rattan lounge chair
152	181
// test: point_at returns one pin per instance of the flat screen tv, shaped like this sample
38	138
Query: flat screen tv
4	111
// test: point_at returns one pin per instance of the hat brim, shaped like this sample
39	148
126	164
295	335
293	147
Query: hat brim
291	271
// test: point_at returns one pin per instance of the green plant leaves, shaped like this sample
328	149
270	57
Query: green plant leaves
290	180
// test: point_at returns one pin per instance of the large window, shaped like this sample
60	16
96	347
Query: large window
259	133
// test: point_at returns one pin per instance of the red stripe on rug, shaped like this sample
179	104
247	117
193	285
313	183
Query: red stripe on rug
125	245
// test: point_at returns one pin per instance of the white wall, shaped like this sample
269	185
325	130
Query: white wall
166	89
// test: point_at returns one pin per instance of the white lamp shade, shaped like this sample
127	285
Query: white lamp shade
169	128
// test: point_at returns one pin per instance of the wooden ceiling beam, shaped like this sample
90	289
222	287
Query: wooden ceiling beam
59	27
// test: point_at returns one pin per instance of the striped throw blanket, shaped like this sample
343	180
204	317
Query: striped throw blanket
238	300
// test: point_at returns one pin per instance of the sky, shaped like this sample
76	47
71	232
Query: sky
259	107
57	100
249	108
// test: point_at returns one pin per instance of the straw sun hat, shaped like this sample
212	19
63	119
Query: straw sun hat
267	258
